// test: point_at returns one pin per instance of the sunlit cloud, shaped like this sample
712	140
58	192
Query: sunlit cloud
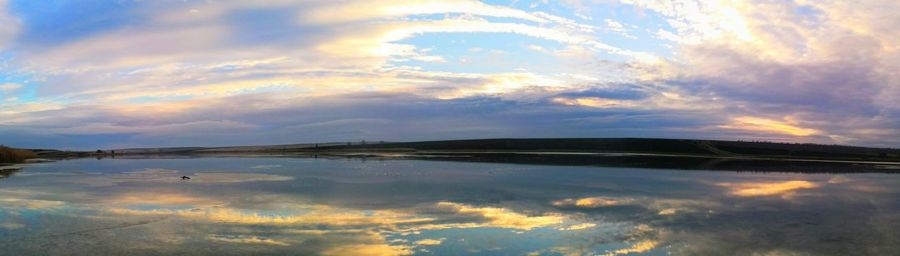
638	247
401	221
754	189
374	249
697	21
500	217
247	240
371	10
593	102
578	226
362	232
668	211
593	202
429	242
749	123
153	198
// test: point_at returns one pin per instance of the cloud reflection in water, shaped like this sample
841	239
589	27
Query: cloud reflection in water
337	207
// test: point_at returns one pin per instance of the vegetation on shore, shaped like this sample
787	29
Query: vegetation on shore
13	155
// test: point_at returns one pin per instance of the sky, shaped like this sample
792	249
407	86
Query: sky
115	74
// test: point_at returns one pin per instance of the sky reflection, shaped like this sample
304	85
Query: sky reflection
233	206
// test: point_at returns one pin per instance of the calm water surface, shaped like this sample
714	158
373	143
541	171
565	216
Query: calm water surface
305	206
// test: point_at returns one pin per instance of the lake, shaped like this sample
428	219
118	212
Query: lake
359	206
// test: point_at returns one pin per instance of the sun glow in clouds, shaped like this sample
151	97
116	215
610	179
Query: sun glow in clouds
757	124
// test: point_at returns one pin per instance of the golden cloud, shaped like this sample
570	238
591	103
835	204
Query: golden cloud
754	189
593	202
430	242
639	247
757	124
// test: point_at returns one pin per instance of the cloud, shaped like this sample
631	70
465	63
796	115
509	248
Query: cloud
9	87
768	125
361	47
10	28
390	117
753	189
592	202
639	247
110	81
195	72
821	64
594	102
429	242
578	227
369	249
502	218
356	11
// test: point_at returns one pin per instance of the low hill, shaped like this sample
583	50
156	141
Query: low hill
643	145
714	148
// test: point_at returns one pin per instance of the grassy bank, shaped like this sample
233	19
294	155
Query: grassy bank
12	155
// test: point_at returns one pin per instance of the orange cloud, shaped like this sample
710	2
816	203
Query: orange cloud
639	247
753	189
757	124
592	202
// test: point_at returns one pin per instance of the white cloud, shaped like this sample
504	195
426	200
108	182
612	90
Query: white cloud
822	63
10	27
194	54
9	87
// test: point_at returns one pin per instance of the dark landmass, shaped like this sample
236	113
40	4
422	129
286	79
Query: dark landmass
637	145
610	152
680	147
670	162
